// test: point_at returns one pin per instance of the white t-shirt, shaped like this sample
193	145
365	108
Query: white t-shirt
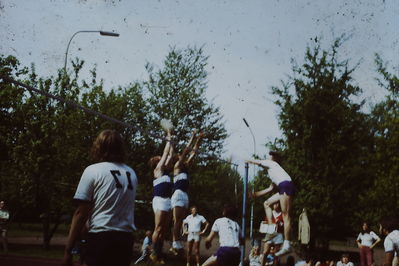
340	263
367	239
391	242
112	189
194	222
229	232
276	173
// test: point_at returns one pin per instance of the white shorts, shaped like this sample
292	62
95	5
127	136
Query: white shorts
193	236
180	199
161	204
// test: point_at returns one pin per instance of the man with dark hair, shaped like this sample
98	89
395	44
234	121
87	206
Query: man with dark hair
228	254
389	228
106	195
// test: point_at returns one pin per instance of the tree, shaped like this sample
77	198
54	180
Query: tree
326	141
382	198
48	141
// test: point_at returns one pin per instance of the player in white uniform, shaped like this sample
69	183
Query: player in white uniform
228	253
161	202
194	223
106	195
180	188
389	228
286	190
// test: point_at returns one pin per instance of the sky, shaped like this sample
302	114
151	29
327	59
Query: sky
250	44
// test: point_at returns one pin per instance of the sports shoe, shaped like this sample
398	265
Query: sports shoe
174	251
161	262
284	250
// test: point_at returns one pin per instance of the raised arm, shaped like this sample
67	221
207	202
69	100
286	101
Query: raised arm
186	150
158	171
262	163
170	155
195	149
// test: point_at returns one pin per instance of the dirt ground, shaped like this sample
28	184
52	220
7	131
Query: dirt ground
13	260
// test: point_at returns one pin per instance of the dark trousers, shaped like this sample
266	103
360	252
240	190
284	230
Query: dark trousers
366	256
109	248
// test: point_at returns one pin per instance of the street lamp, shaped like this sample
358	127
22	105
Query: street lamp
252	204
102	33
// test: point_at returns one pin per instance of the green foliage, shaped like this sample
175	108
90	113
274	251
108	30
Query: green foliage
47	142
382	195
326	141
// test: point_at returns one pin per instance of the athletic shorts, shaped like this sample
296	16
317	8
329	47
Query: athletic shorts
286	187
194	236
180	199
109	248
277	240
228	256
161	204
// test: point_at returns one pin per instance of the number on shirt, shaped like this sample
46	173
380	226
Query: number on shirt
116	173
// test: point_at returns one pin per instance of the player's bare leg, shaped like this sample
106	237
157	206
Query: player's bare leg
286	205
178	216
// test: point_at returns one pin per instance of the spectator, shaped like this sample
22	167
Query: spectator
4	218
146	247
255	258
194	222
344	260
366	241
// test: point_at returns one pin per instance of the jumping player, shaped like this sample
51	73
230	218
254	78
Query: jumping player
161	203
180	187
228	254
286	189
194	222
106	195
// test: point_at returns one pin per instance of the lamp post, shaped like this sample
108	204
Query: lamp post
252	204
102	33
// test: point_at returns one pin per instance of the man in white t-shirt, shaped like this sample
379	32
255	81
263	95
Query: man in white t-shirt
228	253
106	195
194	223
389	228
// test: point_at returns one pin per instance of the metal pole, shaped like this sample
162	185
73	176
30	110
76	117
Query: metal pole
103	33
252	204
244	212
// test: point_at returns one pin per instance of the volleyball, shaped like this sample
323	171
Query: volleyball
166	124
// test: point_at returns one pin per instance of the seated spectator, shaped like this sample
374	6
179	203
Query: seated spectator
255	258
345	260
